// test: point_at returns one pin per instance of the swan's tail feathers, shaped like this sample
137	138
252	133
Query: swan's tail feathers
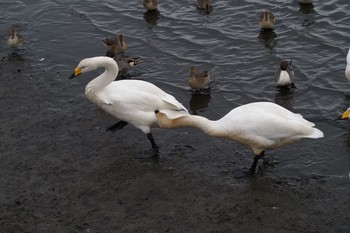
117	126
316	134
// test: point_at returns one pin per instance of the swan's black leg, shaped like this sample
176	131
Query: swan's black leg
255	162
116	126
154	145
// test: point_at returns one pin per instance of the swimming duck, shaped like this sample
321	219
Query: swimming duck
199	80
285	74
131	101
347	69
15	40
150	4
124	64
204	4
260	125
115	45
266	20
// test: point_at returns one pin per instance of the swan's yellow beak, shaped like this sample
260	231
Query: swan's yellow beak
345	115
77	72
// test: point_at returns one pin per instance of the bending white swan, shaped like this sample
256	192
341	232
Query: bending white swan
260	125
131	101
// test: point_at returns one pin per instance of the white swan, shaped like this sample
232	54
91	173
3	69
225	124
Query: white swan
285	74
15	40
260	125
131	101
347	69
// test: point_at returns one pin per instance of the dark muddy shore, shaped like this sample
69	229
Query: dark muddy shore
61	172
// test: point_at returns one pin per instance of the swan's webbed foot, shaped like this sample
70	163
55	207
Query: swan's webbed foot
117	126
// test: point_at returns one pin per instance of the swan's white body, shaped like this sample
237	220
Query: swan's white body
132	101
260	125
347	69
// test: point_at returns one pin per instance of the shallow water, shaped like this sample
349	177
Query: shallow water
48	126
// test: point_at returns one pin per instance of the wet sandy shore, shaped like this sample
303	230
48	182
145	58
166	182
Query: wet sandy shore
61	172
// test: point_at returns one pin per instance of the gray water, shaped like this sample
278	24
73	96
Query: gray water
51	134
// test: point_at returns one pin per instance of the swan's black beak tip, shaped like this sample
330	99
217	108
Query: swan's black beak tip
72	76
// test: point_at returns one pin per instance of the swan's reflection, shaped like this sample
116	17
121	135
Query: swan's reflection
151	17
267	37
199	102
284	97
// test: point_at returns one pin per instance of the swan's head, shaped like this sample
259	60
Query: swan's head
84	66
345	115
89	64
163	120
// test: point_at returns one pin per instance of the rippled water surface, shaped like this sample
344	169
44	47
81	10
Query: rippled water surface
242	62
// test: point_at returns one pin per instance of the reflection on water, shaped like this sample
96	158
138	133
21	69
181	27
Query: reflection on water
199	102
151	17
306	8
284	97
267	37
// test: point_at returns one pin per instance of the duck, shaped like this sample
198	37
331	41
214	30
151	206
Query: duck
347	69
131	101
204	4
124	63
260	125
285	74
199	80
266	20
306	1
150	4
15	40
345	115
115	45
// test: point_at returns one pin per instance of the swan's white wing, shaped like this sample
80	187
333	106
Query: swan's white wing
269	121
135	90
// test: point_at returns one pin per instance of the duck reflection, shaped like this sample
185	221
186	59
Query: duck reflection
199	102
306	8
151	17
267	37
284	97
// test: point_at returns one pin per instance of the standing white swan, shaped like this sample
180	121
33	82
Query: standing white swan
131	101
260	125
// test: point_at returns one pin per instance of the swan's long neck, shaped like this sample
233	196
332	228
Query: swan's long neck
207	126
103	80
